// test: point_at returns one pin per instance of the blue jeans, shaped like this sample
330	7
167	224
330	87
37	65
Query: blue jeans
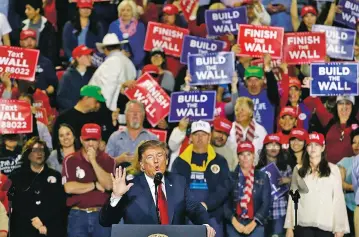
275	227
83	224
257	232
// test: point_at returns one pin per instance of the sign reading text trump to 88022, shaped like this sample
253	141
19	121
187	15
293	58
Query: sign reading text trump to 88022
152	96
194	105
20	62
211	69
169	38
330	79
15	117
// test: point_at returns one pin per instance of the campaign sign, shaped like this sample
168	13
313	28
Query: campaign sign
275	65
254	41
160	134
187	7
169	38
331	79
41	116
224	21
195	105
20	62
304	48
211	69
340	41
15	117
349	13
152	96
274	175
198	45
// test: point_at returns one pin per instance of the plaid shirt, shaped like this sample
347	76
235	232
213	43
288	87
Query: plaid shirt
279	206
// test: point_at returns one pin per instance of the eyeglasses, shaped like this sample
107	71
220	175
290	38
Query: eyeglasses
160	156
38	150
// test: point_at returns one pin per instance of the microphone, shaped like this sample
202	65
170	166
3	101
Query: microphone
157	180
297	186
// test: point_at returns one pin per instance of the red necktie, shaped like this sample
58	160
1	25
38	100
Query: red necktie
162	206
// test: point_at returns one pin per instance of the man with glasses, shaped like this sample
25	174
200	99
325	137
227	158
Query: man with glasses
136	202
205	171
122	144
86	176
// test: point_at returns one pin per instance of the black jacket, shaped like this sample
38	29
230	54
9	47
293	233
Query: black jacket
37	195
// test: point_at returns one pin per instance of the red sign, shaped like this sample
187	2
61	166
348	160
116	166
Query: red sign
160	134
304	47
167	37
20	62
187	7
41	116
255	41
15	117
275	64
152	96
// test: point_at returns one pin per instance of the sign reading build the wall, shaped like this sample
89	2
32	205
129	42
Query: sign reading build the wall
169	38
349	13
254	41
211	68
330	79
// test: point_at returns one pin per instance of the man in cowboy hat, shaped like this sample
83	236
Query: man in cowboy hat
116	72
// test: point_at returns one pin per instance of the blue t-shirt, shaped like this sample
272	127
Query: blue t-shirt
347	164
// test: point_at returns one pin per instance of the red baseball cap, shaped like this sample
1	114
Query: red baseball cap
81	50
245	146
85	4
308	9
293	81
298	133
272	138
170	9
91	131
222	125
29	33
288	110
317	138
150	68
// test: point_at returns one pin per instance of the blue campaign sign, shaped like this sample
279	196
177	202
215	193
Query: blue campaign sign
224	21
331	79
340	42
198	45
195	105
349	13
211	69
274	175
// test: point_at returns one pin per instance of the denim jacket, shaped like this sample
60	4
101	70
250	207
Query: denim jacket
261	195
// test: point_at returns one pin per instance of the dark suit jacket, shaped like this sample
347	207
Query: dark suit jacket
137	205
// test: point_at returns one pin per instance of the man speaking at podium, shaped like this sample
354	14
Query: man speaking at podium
136	202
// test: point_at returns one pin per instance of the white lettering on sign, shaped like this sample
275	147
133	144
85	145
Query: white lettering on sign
225	15
13	54
258	33
210	60
16	62
333	85
168	32
351	6
156	94
302	54
165	45
336	49
349	18
192	98
260	48
211	75
303	40
203	45
330	34
225	28
334	71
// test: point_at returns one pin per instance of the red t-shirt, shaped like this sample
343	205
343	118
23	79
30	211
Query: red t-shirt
77	168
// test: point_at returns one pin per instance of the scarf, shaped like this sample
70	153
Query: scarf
250	134
242	205
130	28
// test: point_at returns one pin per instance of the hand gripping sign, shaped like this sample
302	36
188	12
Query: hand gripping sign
152	96
20	62
169	38
187	7
15	117
304	48
255	41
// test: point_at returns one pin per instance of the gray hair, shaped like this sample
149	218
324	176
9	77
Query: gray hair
137	103
132	4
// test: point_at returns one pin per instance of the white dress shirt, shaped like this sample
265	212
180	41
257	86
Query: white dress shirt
151	184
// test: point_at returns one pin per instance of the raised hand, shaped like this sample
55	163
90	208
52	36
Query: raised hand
119	186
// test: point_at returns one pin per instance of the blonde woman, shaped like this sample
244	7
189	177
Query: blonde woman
245	128
130	31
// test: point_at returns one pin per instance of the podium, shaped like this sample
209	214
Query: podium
120	230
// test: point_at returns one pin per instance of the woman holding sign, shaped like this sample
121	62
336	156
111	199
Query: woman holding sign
322	209
248	202
272	153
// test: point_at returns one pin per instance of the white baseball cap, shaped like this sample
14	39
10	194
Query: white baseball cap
346	97
201	126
